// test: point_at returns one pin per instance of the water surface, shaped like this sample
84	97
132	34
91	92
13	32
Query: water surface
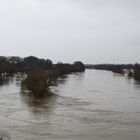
95	105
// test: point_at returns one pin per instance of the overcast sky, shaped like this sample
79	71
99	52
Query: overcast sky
93	31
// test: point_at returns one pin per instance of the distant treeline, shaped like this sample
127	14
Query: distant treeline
112	67
15	64
132	70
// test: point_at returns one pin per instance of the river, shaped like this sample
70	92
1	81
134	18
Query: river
94	105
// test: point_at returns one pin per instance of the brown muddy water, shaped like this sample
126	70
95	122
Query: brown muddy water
95	105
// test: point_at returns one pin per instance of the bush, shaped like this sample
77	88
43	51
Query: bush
137	74
38	81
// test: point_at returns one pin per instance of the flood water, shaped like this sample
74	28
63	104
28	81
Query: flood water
95	105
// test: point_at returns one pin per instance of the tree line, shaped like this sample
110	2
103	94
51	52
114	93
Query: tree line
15	64
132	70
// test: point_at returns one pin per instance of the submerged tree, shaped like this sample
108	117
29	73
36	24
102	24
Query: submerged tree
137	74
38	81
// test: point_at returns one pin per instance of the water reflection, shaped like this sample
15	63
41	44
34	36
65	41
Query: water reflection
92	105
137	84
61	80
4	81
45	101
38	104
9	80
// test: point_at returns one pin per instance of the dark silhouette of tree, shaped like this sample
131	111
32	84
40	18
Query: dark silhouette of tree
16	64
79	66
64	68
32	61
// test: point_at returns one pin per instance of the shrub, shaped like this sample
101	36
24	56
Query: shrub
137	74
38	81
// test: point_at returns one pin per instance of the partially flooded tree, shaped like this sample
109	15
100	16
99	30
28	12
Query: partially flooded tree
38	81
137	74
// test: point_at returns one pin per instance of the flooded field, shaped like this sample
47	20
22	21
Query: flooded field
95	105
